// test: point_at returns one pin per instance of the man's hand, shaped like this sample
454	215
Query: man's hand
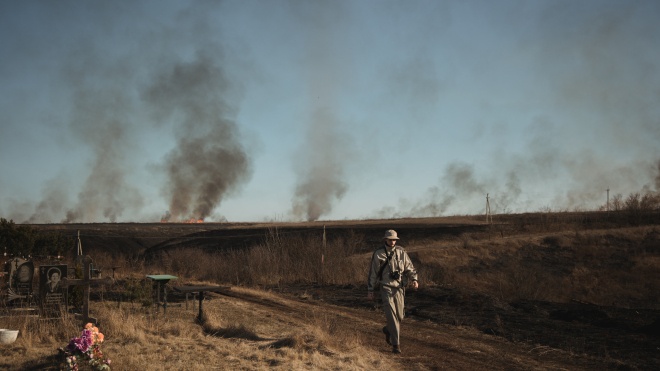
370	295
415	285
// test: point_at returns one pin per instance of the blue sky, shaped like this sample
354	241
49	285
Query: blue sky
128	111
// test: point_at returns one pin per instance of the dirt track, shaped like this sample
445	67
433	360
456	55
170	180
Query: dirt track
427	343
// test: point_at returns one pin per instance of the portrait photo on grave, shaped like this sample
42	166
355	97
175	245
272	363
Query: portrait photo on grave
21	275
51	289
54	275
24	274
50	277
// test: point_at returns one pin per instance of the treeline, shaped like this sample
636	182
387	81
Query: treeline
24	241
648	201
634	210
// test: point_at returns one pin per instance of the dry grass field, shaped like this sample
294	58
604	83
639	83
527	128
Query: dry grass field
544	291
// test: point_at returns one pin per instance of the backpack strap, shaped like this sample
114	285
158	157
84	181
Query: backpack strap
382	267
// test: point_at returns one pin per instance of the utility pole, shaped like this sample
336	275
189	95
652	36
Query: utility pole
323	258
489	217
608	201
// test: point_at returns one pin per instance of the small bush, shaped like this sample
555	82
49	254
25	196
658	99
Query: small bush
136	290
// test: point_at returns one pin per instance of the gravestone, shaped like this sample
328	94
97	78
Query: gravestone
21	274
86	282
51	291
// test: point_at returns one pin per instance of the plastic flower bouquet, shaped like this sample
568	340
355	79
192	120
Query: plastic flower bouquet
87	349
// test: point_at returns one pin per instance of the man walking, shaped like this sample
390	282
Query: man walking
391	269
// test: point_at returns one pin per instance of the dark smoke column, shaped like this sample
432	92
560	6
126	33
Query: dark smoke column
209	160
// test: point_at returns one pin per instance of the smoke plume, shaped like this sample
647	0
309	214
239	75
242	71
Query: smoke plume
209	160
321	169
322	159
100	121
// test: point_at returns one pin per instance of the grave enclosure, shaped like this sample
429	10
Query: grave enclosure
44	290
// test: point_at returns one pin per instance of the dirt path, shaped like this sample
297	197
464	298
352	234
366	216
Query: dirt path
426	345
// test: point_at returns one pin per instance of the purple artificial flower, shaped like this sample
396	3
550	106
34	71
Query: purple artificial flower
82	343
86	336
74	345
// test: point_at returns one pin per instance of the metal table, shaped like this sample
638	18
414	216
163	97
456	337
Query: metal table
200	290
161	281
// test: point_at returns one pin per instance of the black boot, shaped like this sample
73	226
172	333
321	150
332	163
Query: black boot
396	349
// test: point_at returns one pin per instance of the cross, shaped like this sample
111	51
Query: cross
86	282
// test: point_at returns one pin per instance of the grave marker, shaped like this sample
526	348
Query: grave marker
86	282
51	290
21	273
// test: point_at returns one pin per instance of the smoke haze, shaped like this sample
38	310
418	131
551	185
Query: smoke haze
597	78
137	111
